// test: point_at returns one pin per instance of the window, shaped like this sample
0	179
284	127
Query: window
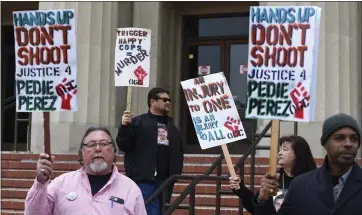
217	27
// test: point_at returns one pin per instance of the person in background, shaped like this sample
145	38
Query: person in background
294	158
96	188
153	147
333	189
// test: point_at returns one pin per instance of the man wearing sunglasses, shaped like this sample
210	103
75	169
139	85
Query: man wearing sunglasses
153	147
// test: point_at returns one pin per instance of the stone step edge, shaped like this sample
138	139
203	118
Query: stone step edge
231	196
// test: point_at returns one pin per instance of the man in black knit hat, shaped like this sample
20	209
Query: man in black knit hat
333	189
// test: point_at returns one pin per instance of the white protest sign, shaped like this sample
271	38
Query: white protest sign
46	60
213	111
283	61
132	57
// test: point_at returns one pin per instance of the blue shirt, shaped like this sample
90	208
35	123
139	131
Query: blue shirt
341	181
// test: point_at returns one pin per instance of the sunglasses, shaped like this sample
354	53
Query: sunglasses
164	99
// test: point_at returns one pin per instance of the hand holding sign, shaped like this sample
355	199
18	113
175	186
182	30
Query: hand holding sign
268	186
127	118
234	183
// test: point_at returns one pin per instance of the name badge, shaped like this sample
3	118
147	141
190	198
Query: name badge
116	200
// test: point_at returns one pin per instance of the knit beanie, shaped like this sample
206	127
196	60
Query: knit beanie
336	122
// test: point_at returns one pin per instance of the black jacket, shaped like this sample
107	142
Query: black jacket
247	195
312	193
139	143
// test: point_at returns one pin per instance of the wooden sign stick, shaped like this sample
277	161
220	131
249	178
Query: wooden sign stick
47	134
228	160
129	99
274	143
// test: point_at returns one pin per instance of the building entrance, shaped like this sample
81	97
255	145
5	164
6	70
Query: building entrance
220	44
14	132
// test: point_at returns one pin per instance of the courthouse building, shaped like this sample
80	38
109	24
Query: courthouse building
185	35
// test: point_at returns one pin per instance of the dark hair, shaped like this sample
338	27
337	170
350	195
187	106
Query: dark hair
153	93
162	126
304	161
90	130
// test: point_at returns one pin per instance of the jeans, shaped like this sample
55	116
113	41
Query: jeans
147	189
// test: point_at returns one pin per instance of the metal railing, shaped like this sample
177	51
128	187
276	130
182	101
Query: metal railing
190	189
191	207
6	104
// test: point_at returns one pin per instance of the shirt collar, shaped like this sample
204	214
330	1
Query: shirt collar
114	173
343	178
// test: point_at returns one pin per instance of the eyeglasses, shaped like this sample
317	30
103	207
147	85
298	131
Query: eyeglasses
93	145
164	99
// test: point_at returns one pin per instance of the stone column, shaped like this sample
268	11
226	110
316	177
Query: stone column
339	69
98	98
148	15
169	71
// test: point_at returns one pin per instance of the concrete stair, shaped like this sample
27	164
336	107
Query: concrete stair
18	174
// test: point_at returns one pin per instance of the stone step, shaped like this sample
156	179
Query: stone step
200	200
12	212
28	182
204	204
28	170
204	188
198	210
210	200
12	204
18	174
188	158
72	165
19	191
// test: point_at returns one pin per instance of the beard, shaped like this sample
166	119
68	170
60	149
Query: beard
98	167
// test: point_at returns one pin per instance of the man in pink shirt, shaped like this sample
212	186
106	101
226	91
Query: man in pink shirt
95	189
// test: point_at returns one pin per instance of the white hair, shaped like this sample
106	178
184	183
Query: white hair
98	167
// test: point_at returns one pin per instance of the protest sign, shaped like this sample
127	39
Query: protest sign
46	61
213	111
132	57
282	67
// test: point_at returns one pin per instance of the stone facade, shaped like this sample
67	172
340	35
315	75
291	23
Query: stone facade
99	102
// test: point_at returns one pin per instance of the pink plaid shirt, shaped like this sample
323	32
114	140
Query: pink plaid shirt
70	194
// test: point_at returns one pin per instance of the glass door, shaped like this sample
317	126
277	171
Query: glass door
228	56
209	55
238	60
